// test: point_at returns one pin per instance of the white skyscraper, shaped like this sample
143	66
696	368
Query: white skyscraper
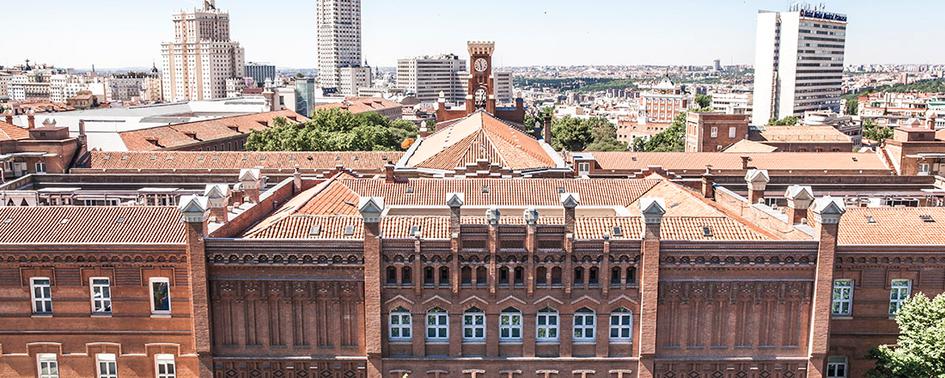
798	62
339	39
202	57
428	76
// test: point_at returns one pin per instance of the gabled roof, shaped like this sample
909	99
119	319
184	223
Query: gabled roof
91	225
362	105
480	136
12	132
185	134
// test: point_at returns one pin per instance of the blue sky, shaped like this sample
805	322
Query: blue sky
113	33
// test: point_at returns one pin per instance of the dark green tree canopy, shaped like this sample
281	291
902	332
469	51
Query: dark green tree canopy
334	130
592	134
673	139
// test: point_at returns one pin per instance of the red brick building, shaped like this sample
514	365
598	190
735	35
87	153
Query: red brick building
714	132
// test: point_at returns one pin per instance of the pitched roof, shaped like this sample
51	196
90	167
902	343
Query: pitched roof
775	161
480	136
91	225
12	132
807	134
186	134
223	160
892	226
362	105
746	145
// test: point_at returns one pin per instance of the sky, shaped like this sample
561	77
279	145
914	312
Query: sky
114	33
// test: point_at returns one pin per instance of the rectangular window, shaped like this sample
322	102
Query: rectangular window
160	295
584	321
924	169
836	367
842	298
474	326
164	366
41	292
731	133
106	365
438	326
510	326
547	322
400	326
101	292
47	366
40	167
621	326
584	168
714	132
898	294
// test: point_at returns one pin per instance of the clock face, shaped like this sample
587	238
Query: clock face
481	96
481	65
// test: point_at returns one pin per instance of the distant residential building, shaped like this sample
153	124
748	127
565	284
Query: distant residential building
202	56
261	72
894	109
662	103
338	24
798	62
428	76
353	78
732	102
131	86
504	90
235	87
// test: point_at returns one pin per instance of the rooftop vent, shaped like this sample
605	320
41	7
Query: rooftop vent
349	230
64	221
120	220
617	231
561	190
706	231
315	230
409	190
485	189
8	221
927	218
415	229
870	219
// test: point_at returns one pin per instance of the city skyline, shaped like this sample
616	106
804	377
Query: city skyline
526	35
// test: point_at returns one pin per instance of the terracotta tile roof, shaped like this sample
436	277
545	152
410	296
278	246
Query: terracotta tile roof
335	199
706	228
892	226
775	161
362	105
220	160
807	134
12	132
90	225
748	146
186	134
480	136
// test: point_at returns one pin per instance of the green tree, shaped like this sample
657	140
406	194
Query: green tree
569	133
673	139
852	106
532	118
334	130
704	101
786	121
604	136
876	133
920	349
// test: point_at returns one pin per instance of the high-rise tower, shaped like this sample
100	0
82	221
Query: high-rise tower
339	39
798	62
201	58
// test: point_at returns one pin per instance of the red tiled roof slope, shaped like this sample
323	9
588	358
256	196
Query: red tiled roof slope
174	136
893	226
12	132
91	225
217	160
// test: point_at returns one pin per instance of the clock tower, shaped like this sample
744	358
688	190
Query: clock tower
481	88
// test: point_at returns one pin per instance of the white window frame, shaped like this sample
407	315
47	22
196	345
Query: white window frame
400	323
924	169
40	167
899	292
584	168
151	283
438	321
585	322
837	368
106	365
103	303
51	363
42	303
840	306
731	132
714	132
473	321
165	360
543	322
510	324
623	327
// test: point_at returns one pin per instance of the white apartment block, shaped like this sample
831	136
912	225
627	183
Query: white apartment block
798	62
201	58
354	78
503	87
338	24
427	76
732	102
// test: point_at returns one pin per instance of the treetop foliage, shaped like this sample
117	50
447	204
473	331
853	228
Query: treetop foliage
335	130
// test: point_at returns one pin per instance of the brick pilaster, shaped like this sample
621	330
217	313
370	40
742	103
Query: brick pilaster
653	210
371	209
194	210
827	212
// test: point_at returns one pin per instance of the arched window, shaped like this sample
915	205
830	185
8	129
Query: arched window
556	276
406	275
592	276
482	276
631	275
466	274
621	325
391	275
474	325
615	276
444	276
400	325
438	325
584	321
541	276
510	325
547	325
428	279
579	276
519	276
504	276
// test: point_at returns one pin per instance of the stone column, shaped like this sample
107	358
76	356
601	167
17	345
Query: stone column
652	210
827	212
194	210
371	209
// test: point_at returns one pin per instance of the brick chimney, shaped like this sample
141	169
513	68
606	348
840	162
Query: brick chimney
546	130
297	180
570	202
708	184
251	183
372	209
424	130
8	116
31	119
389	173
195	215
826	213
799	200
757	180
745	162
218	196
455	201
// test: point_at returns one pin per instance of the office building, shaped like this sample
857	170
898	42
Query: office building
798	62
353	78
261	72
338	24
202	56
504	89
428	76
